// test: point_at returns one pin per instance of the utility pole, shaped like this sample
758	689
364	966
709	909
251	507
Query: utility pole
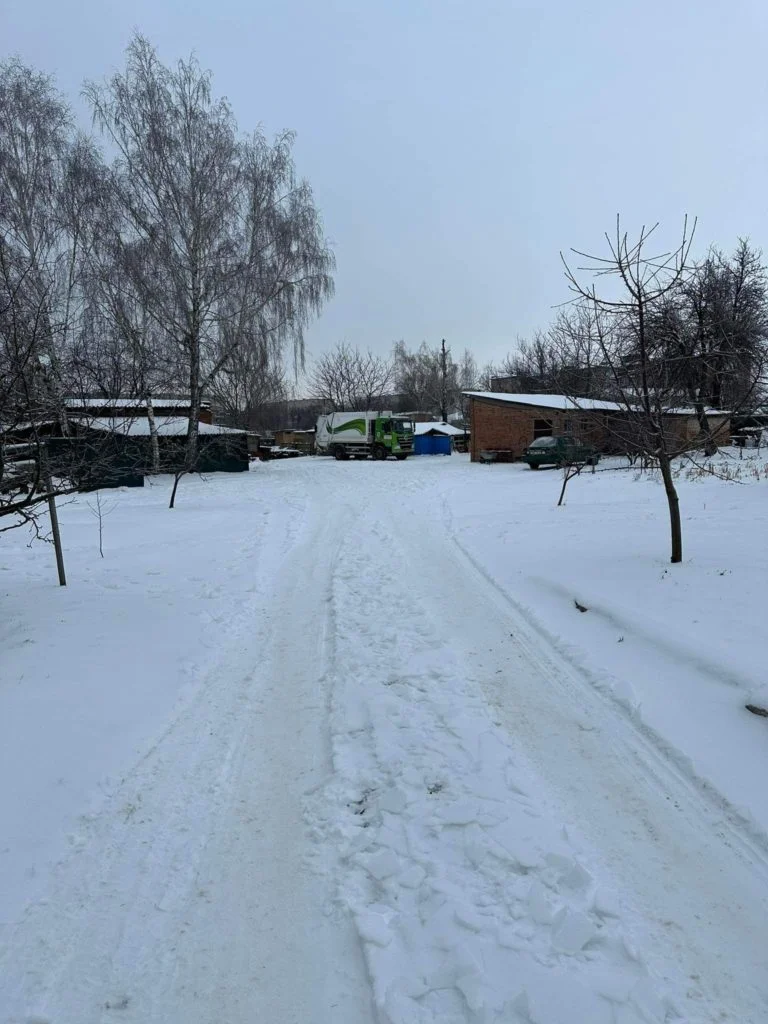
443	375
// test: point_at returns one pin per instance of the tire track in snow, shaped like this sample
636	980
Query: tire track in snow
703	909
129	858
696	913
188	899
472	904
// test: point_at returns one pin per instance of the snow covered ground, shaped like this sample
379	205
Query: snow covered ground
331	743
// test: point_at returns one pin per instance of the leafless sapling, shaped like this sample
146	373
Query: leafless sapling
623	325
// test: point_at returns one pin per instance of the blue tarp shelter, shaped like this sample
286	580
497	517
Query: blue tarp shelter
431	444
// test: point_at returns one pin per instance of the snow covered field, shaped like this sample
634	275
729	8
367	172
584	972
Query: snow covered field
331	743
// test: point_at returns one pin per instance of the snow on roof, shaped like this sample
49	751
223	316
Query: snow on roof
440	427
692	412
11	428
171	426
127	403
561	402
566	404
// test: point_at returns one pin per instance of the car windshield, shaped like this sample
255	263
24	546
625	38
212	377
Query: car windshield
544	442
403	426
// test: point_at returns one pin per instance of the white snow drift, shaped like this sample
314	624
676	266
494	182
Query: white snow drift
268	760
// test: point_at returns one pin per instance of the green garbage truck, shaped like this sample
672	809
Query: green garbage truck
360	435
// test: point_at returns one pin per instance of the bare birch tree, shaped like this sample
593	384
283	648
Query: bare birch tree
51	186
230	242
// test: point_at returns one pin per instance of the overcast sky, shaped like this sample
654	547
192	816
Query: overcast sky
455	147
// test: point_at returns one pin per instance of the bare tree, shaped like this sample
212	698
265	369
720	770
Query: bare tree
222	243
486	376
51	187
564	358
245	385
570	470
21	324
100	509
623	325
348	378
121	350
576	362
533	367
711	334
469	379
428	377
27	486
51	184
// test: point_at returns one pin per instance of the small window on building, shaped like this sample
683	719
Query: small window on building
542	428
568	426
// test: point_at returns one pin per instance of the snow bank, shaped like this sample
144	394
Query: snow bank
517	841
91	674
680	648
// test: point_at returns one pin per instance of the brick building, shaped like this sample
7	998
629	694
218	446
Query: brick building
508	423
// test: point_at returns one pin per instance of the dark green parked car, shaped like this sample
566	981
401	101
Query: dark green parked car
560	451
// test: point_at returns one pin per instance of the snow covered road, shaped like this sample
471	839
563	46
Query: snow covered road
383	797
189	898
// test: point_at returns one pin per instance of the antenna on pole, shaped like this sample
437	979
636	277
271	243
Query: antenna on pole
443	383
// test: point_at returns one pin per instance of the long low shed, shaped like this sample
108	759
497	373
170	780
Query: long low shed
118	452
508	423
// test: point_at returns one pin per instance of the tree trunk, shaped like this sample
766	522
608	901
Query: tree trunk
193	431
193	426
177	477
673	501
710	448
153	437
717	386
568	473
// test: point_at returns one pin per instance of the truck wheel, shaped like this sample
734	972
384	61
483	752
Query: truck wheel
401	458
533	465
380	453
339	453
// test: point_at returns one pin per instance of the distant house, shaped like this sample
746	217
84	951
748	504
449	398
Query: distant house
507	423
750	428
220	449
508	383
83	458
100	452
301	440
126	419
